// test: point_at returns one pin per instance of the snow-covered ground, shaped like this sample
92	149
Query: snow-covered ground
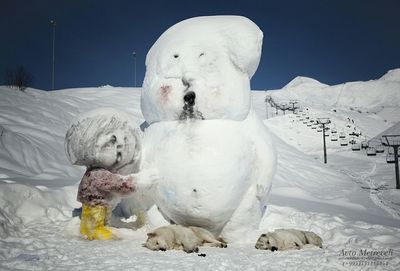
350	202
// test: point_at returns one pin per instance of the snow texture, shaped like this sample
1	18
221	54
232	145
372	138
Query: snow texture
196	98
350	202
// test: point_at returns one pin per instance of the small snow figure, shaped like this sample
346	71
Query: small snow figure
108	143
96	192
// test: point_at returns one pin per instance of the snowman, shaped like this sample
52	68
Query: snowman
214	155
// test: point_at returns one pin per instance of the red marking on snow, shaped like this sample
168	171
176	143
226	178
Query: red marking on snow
165	90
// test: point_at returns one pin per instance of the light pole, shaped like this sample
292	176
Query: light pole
53	24
134	63
323	122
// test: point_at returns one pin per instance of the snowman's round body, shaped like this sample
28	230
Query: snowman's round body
205	169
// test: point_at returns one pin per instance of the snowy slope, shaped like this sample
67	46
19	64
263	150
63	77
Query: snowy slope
38	189
380	96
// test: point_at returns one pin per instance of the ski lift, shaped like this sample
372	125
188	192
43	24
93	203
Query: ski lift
319	129
356	147
364	144
304	122
371	151
314	127
309	125
354	134
343	142
334	138
390	159
333	131
342	135
380	149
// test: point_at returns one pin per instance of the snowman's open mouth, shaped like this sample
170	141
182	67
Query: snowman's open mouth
189	110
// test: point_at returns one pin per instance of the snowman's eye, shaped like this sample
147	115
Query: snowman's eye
202	54
176	55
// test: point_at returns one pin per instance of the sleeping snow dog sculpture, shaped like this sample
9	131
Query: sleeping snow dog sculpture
214	155
178	237
286	239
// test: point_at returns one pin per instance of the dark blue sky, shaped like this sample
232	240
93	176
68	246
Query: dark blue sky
331	41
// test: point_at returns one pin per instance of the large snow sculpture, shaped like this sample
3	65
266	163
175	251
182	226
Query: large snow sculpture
214	155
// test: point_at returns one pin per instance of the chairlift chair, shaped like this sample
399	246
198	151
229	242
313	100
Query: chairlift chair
390	158
380	149
334	138
364	144
371	151
356	147
333	131
342	135
343	142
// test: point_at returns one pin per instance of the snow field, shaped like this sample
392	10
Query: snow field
38	188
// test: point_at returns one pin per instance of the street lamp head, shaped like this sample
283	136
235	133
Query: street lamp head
53	22
134	54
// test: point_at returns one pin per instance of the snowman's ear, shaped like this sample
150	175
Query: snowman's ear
243	39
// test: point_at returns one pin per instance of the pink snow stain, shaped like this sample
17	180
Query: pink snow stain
165	90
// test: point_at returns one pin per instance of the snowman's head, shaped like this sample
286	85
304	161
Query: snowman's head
201	68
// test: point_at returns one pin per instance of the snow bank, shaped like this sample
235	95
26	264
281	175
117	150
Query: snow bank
346	201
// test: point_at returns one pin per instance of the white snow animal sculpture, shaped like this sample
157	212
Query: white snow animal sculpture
286	239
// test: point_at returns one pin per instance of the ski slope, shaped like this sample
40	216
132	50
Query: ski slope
350	202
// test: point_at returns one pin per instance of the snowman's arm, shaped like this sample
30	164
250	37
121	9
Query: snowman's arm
145	178
265	156
106	181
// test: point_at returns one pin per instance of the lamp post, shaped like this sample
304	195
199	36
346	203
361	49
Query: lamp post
53	24
323	122
134	63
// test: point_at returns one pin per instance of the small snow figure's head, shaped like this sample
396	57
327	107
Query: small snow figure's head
104	138
207	63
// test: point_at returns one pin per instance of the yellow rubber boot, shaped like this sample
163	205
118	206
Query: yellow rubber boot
92	223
